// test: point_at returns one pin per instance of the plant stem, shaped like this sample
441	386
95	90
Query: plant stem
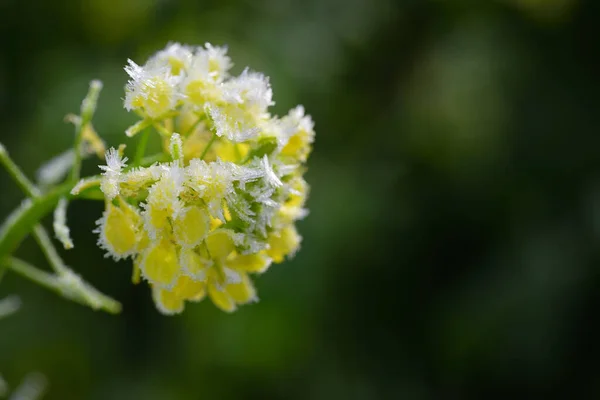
75	171
32	273
40	234
88	106
194	126
43	239
68	285
164	132
15	172
23	219
141	148
210	143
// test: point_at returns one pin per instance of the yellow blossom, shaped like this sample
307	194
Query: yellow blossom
221	202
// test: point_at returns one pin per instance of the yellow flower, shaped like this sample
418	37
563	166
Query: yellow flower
225	205
299	129
160	264
283	243
191	226
119	230
152	89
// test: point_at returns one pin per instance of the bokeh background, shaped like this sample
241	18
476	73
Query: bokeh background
452	250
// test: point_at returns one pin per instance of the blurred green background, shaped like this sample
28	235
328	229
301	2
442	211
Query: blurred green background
452	247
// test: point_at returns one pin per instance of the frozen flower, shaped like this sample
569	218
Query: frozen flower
297	134
152	89
178	57
221	203
208	69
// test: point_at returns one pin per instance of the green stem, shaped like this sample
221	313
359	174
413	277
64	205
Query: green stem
136	274
68	285
23	219
164	132
194	126
75	171
32	273
15	172
141	148
210	143
88	107
40	234
43	239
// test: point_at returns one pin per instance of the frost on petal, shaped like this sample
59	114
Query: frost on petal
219	62
152	88
137	180
251	89
176	148
176	56
232	122
297	134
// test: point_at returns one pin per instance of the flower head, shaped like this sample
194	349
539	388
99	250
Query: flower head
226	204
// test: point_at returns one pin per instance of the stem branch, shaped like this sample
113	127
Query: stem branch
68	285
18	176
210	143
88	107
141	148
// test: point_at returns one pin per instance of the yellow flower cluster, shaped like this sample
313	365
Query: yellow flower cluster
224	203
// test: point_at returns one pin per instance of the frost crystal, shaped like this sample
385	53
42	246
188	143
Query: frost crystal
112	173
61	230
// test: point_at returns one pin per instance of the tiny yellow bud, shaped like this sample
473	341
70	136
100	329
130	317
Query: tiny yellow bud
188	289
176	148
159	94
221	298
160	264
193	264
258	262
119	230
191	226
167	302
220	244
242	292
283	243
